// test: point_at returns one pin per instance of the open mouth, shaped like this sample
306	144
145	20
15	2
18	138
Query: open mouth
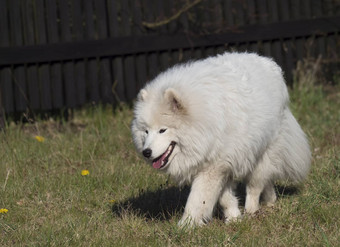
162	160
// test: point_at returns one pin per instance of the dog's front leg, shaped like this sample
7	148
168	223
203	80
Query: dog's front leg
205	191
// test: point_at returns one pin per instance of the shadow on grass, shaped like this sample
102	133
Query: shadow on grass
163	204
286	190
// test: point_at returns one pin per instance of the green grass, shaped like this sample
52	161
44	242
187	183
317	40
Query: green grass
124	202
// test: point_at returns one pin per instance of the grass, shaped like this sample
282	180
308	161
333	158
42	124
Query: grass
123	202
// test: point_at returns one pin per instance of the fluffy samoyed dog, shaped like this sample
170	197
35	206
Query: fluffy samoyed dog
217	121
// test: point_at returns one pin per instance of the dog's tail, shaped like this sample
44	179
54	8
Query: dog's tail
290	152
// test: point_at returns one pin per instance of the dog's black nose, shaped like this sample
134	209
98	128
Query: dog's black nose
147	153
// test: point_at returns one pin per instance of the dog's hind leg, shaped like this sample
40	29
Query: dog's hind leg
269	195
259	181
229	202
287	158
253	198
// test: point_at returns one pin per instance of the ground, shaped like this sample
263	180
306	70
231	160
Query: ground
120	201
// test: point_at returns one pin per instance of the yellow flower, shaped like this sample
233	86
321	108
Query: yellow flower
85	172
40	138
3	211
112	201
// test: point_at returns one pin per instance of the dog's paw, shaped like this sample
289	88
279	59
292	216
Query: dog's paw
252	208
185	223
189	222
229	220
232	216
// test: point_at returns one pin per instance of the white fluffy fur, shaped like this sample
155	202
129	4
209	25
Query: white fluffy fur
230	119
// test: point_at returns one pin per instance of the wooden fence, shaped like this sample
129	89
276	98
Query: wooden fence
59	54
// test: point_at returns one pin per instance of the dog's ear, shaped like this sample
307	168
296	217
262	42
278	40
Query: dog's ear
174	101
142	95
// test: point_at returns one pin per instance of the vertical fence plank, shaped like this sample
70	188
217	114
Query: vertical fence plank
141	62
263	19
6	86
307	13
320	40
92	72
298	42
149	15
129	62
228	14
2	111
6	93
68	66
251	13
229	20
105	78
277	51
31	69
239	20
43	69
56	72
216	22
197	53
163	55
184	22
238	13
117	62
173	27
18	71
79	65
287	45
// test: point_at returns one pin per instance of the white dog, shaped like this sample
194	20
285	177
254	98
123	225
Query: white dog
217	121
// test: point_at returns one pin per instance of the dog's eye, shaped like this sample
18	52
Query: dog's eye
146	131
162	131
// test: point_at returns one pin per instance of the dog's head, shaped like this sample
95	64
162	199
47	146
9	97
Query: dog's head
155	124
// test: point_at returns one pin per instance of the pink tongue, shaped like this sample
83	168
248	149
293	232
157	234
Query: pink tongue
157	164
